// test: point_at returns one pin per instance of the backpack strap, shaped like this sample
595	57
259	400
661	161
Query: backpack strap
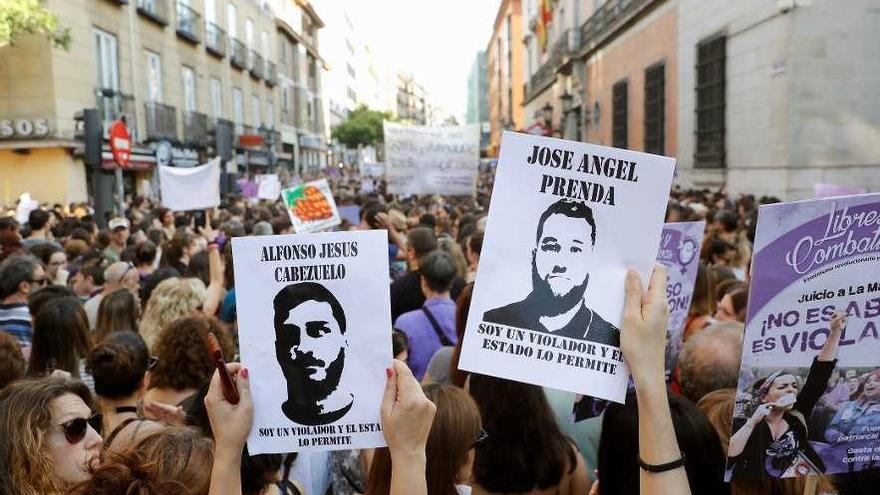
437	329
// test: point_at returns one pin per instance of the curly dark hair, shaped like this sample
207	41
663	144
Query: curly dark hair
184	360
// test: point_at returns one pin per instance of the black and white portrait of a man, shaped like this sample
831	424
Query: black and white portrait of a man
564	246
310	346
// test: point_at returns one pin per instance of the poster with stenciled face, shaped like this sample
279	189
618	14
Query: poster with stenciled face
566	221
314	323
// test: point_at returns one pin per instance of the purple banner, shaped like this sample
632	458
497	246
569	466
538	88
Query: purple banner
842	232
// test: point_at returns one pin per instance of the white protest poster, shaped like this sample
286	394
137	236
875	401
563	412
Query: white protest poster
268	186
314	323
680	244
432	160
190	188
372	169
311	206
815	383
566	220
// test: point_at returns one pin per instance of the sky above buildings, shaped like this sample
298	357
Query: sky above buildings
434	40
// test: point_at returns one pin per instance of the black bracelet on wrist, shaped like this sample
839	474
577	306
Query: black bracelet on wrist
660	468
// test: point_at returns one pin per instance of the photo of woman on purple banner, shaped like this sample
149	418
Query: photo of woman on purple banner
771	440
859	417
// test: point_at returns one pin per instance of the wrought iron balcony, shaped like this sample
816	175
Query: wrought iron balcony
155	10
565	47
271	74
195	128
237	54
113	105
611	15
161	122
189	23
215	39
257	65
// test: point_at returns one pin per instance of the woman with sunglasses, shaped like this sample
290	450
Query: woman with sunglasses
120	365
49	436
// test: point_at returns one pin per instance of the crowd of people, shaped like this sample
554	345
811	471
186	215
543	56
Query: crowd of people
106	385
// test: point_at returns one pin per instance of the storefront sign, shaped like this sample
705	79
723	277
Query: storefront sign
24	128
168	155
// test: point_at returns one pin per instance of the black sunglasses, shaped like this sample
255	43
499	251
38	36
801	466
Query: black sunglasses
40	282
75	429
482	435
152	362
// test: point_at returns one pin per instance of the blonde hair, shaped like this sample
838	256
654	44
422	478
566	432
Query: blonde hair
452	248
172	299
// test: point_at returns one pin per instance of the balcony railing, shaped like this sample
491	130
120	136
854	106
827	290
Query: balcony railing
161	122
271	74
611	15
562	50
155	10
215	39
237	54
195	128
112	105
257	65
189	23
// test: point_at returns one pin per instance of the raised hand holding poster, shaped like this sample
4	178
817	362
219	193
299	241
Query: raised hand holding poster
314	323
808	398
566	220
311	206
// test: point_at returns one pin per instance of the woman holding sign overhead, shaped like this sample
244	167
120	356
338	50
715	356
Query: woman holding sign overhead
773	440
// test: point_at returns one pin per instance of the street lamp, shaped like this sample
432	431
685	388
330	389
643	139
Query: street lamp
566	102
548	114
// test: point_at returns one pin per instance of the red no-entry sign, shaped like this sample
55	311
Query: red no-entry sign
120	143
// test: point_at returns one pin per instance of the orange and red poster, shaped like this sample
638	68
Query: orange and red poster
311	206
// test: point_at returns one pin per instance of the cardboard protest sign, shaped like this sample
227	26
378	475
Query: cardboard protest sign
190	188
680	245
812	258
268	186
566	221
311	206
314	323
432	160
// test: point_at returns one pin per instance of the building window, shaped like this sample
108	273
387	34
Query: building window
188	76
351	95
108	61
282	50
216	98
710	105
619	114
238	110
249	33
350	69
232	20
285	97
655	109
270	114
154	77
255	111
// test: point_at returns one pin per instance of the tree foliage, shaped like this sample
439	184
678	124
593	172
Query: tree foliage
362	127
22	17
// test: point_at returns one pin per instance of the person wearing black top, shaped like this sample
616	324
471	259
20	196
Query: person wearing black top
406	292
566	236
773	441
